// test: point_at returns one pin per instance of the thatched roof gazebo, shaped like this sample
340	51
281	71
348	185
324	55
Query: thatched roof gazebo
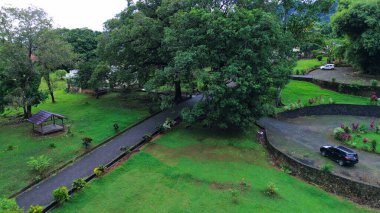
45	122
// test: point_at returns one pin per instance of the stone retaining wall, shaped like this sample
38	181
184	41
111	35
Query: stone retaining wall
359	192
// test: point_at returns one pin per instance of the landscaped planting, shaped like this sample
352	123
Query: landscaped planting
361	136
305	65
299	93
203	170
86	117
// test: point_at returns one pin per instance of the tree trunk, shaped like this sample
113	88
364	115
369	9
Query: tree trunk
278	98
178	92
25	112
28	111
47	79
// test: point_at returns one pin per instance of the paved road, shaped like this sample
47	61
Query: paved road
41	194
302	137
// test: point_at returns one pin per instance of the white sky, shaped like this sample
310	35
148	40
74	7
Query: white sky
74	13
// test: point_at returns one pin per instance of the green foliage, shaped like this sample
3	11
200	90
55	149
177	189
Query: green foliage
319	57
327	168
61	194
358	21
309	64
35	209
99	171
79	184
271	189
39	164
9	206
86	141
373	145
374	83
60	74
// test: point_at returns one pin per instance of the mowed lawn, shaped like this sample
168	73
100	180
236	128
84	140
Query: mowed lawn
308	64
303	91
202	170
86	116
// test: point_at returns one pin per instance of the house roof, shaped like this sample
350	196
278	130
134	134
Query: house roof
42	116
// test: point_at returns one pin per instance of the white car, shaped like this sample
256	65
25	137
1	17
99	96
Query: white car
328	67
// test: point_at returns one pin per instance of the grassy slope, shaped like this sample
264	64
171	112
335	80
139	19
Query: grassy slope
199	170
85	115
300	90
308	64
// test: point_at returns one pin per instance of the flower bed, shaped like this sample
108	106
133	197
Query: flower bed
359	136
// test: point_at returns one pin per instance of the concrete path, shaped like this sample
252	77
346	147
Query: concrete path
41	194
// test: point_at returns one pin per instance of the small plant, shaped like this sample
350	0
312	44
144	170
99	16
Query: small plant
147	137
374	99
168	124
333	80
52	146
243	184
355	127
331	101
302	72
372	124
377	129
79	184
116	127
271	189
39	164
9	205
285	169
327	168
374	83
235	195
373	145
99	170
362	128
10	148
365	140
35	209
297	72
319	57
86	142
312	101
61	194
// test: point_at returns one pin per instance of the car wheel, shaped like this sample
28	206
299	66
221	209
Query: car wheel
323	153
341	163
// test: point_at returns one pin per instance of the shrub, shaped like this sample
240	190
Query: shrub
116	127
327	168
355	127
61	194
297	72
373	99
271	189
79	184
342	134
60	74
363	128
365	140
373	145
302	72
99	170
374	83
331	101
52	146
319	57
10	148
333	80
35	209
235	195
39	164
168	124
147	137
87	142
9	205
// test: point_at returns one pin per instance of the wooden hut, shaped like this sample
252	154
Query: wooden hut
45	122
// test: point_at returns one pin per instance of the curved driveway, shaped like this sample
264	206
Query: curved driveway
302	137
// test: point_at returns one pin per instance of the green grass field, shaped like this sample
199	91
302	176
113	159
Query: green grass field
308	64
86	116
303	91
202	170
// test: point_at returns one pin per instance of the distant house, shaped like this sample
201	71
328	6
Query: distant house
72	74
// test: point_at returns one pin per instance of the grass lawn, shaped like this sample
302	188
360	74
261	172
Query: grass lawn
86	116
308	64
202	170
303	91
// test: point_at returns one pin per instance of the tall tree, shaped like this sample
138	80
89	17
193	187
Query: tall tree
359	22
52	53
19	31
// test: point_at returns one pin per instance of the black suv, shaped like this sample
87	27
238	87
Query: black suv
340	154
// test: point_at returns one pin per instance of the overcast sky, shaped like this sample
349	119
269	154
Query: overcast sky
75	13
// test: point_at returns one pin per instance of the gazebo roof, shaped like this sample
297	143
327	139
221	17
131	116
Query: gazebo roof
42	116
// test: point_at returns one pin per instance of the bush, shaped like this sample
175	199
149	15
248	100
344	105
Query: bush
52	146
319	57
271	190
60	74
373	145
333	80
235	195
168	124
297	72
116	127
10	148
327	168
79	184
9	205
39	164
99	170
61	194
87	142
374	83
35	209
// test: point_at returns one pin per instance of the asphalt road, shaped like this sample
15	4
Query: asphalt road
303	136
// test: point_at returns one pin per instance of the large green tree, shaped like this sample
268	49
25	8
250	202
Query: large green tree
359	22
19	32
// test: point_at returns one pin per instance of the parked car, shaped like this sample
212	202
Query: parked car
328	67
340	154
